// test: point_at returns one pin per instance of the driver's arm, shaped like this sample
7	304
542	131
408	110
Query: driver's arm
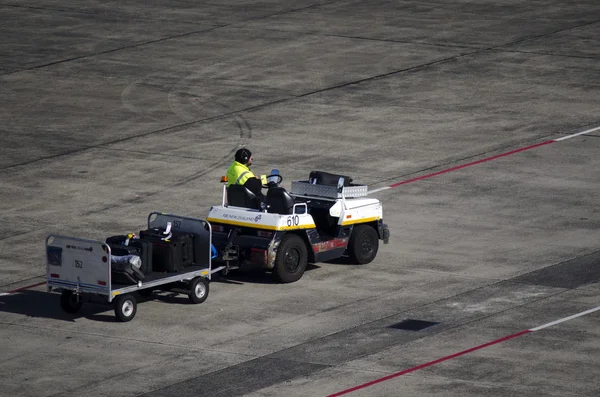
263	179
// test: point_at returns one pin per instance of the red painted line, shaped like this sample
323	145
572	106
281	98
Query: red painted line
418	367
27	287
472	163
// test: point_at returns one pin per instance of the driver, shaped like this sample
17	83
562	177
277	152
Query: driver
239	173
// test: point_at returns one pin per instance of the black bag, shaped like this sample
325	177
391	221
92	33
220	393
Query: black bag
116	240
138	247
170	255
128	275
122	269
153	234
325	178
201	251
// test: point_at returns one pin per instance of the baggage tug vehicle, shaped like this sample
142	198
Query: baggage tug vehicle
321	219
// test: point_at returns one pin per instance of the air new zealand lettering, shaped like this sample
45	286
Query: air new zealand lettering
243	218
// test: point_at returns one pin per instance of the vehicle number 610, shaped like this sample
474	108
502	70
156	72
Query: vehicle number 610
293	220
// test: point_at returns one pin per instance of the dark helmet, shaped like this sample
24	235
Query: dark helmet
243	155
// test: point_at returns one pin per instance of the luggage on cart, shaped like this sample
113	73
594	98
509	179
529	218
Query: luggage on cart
170	252
202	251
138	247
144	252
125	269
117	240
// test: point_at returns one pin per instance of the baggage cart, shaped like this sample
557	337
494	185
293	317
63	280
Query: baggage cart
81	267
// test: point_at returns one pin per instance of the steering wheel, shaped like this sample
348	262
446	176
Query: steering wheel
273	184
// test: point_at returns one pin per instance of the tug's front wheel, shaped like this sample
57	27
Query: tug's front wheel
363	244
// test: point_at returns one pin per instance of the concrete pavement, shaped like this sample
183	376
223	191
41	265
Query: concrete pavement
111	110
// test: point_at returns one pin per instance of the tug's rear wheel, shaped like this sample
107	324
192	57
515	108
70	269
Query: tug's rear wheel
291	259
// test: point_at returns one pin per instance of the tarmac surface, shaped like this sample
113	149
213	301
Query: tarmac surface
113	109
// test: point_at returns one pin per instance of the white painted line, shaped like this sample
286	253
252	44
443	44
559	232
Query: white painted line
379	190
562	320
574	135
4	293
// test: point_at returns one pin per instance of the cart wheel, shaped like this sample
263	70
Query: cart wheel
125	307
291	259
70	301
363	244
198	289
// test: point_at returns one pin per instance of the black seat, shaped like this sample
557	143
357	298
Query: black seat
279	201
326	178
240	196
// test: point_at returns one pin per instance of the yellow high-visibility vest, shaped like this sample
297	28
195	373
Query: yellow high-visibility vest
238	174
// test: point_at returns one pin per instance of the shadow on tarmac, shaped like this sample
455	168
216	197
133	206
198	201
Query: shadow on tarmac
252	276
41	304
342	260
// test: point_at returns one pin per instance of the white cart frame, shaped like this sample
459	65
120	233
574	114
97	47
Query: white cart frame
82	266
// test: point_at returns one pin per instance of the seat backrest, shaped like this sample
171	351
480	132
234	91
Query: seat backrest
240	196
325	178
279	201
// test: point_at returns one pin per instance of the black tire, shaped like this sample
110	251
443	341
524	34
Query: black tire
291	259
363	244
198	289
70	302
125	307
